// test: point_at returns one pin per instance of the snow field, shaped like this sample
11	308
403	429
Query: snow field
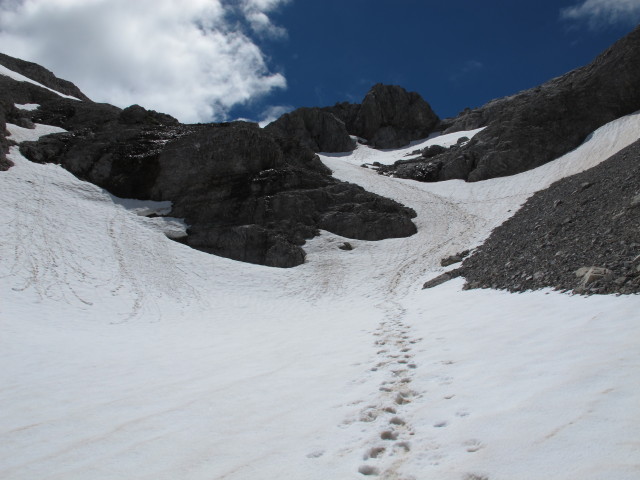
128	355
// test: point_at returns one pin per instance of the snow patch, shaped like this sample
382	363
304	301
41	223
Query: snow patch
365	154
19	134
27	106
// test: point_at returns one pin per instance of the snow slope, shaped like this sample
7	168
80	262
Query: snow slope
128	355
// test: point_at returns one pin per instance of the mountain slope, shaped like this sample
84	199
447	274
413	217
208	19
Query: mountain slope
130	355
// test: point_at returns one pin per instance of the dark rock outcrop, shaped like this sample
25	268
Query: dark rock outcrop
137	115
12	92
538	125
316	128
440	279
245	194
588	220
389	117
5	163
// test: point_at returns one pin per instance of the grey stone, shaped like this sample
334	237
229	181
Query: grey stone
588	275
440	279
246	194
390	117
316	128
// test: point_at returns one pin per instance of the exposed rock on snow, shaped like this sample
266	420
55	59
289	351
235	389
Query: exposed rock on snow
457	258
442	278
5	163
538	125
246	194
582	221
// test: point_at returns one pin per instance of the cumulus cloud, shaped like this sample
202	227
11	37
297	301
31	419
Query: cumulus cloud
601	13
255	11
192	59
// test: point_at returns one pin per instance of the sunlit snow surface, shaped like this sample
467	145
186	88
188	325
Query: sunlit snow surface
128	355
29	107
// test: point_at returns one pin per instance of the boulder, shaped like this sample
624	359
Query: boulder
440	279
346	246
457	258
588	275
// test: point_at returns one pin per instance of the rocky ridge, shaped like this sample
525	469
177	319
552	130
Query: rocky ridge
535	126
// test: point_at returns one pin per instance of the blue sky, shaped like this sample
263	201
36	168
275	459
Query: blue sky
455	53
216	60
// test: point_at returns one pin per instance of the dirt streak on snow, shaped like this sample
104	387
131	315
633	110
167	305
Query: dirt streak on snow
127	355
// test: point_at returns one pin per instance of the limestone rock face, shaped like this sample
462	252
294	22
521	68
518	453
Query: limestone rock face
246	194
390	117
316	128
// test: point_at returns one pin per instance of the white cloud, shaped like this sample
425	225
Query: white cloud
187	58
272	113
255	12
599	13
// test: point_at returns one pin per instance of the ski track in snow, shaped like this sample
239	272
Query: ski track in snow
128	355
